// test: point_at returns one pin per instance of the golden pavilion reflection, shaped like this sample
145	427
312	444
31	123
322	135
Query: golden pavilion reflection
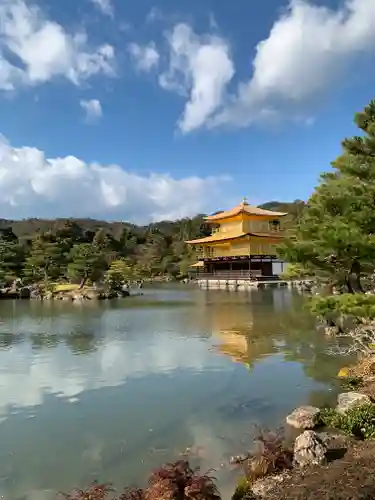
236	335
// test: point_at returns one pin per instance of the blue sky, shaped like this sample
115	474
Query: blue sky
162	109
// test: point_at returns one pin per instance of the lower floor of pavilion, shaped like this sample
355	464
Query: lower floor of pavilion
244	267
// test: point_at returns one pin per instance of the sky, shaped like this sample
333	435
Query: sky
162	109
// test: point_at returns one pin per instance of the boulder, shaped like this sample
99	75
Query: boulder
304	417
24	293
92	294
261	487
348	400
36	295
331	331
309	449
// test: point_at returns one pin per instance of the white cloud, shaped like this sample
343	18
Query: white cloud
32	185
155	14
200	67
44	50
92	108
308	47
26	380
105	6
145	57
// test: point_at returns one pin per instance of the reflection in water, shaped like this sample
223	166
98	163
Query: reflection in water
114	390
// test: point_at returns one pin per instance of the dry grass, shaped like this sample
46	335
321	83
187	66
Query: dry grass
364	368
66	287
351	478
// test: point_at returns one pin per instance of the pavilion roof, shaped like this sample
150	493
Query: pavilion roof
231	235
243	207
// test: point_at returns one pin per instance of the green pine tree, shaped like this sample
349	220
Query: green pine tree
46	259
335	238
87	262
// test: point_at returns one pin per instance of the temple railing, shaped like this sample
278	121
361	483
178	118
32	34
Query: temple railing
234	275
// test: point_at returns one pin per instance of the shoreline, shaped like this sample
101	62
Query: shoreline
323	463
342	469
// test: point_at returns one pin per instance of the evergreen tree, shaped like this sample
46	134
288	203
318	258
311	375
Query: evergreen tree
86	262
121	271
46	259
12	255
335	238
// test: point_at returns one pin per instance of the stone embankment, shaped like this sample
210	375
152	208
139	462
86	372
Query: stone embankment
36	292
247	284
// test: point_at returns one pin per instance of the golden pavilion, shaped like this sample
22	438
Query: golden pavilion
242	244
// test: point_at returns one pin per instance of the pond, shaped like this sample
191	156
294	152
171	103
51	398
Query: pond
111	390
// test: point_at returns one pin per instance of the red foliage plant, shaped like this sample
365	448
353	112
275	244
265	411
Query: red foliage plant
178	481
270	456
93	492
174	481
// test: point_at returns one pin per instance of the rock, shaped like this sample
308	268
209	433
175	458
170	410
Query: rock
348	400
331	330
334	440
78	297
92	294
309	449
24	293
261	487
304	417
238	459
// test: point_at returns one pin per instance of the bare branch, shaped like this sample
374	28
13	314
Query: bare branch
363	341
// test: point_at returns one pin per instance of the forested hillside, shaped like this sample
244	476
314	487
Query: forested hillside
37	249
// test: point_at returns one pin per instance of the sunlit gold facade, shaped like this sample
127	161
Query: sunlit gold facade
239	237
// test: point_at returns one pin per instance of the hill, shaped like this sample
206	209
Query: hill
27	228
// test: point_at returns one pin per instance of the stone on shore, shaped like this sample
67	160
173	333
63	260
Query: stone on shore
304	417
261	487
348	400
309	449
330	331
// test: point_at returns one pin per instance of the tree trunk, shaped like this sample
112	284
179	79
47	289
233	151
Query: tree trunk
354	278
83	282
349	284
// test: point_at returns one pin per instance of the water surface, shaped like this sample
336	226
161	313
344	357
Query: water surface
110	390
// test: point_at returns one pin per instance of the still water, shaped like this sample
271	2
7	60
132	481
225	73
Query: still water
109	391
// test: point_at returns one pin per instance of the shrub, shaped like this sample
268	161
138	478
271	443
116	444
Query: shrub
133	494
174	481
359	305
243	490
271	456
351	383
94	492
179	481
358	421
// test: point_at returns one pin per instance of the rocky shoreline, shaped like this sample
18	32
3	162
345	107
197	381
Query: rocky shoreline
325	461
37	292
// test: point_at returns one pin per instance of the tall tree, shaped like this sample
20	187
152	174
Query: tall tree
12	255
46	259
86	262
335	237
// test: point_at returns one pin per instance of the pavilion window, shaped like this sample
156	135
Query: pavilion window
274	225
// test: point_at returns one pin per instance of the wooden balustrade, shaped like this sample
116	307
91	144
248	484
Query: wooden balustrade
235	275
